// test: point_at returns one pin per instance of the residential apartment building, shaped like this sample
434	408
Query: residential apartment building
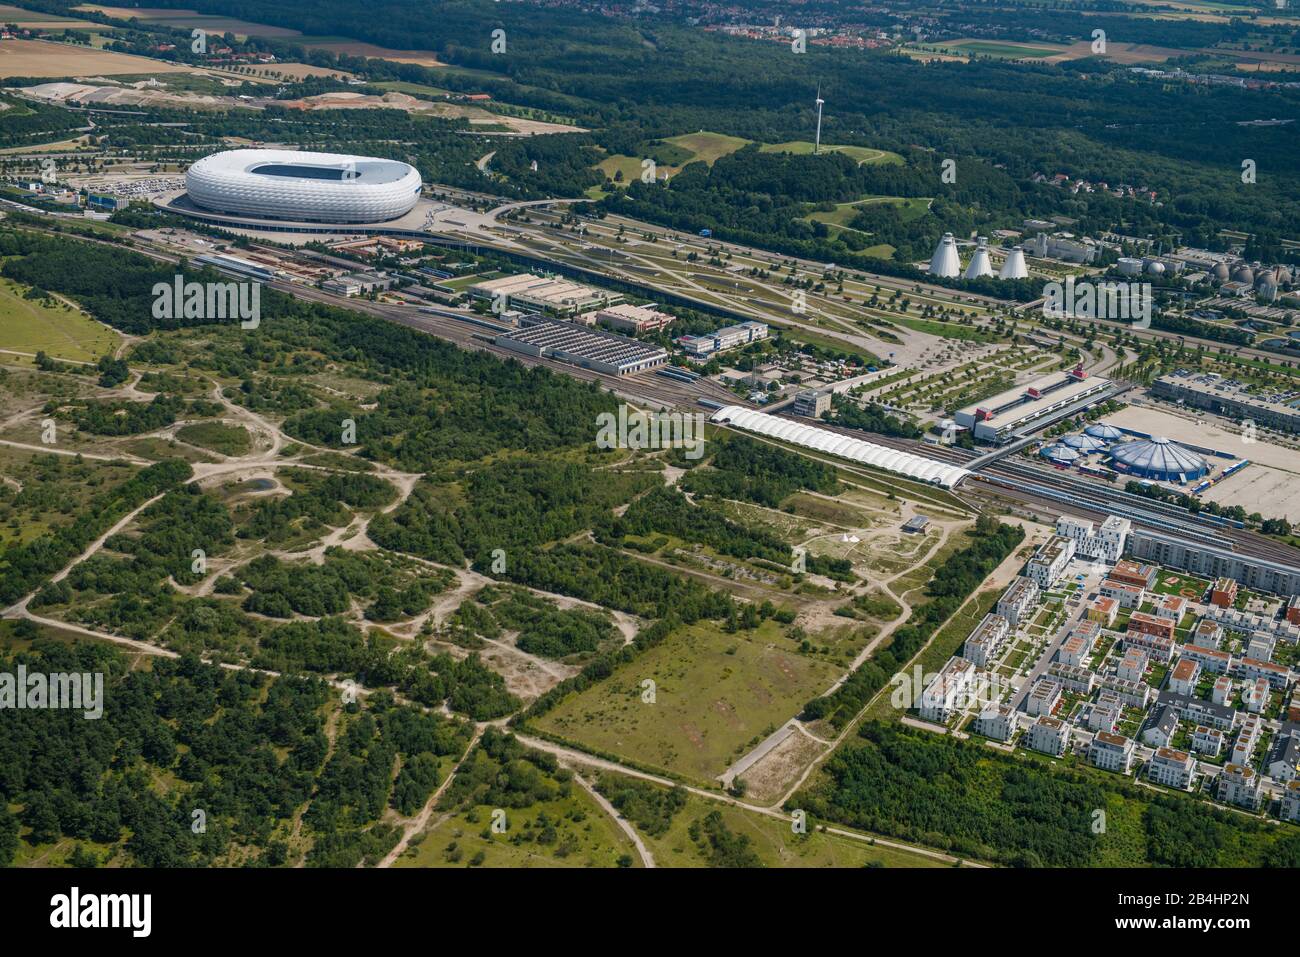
999	722
1049	562
1134	573
1184	676
1134	694
1122	593
1146	624
1074	678
986	640
1111	752
1255	697
1048	735
1105	544
1103	611
1210	659
1223	592
1159	730
1239	785
1243	749
1222	691
1133	666
1043	697
1252	668
1199	710
1291	802
1173	769
1016	602
1105	712
947	691
1207	634
1207	741
1285	757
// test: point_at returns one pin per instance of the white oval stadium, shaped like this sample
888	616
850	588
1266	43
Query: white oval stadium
310	187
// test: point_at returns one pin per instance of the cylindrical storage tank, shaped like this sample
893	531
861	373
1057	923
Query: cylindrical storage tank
1128	266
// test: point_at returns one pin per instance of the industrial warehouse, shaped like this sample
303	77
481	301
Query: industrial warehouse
589	348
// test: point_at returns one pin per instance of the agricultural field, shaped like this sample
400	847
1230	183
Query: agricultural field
187	19
44	58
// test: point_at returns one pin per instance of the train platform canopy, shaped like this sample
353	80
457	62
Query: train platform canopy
907	464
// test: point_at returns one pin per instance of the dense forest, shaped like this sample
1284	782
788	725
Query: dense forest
194	765
960	796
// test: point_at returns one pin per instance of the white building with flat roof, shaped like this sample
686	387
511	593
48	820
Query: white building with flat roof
1048	735
1173	769
1017	601
1049	562
1111	752
986	640
1105	544
947	691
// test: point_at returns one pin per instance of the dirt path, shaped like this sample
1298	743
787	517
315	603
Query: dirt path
647	859
415	825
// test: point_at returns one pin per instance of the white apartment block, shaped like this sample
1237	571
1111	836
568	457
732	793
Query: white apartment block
1256	696
1171	607
986	640
1207	634
1126	595
1211	659
999	722
1261	647
1049	562
1017	601
1073	677
1133	666
1073	651
1173	769
1157	647
1247	738
1184	676
1134	694
1048	735
1207	741
1043	697
1105	544
1291	802
1221	693
947	691
1105	712
1278	676
1283	761
1111	752
1240	786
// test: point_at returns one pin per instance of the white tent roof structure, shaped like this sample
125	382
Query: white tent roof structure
1014	266
945	262
979	263
912	466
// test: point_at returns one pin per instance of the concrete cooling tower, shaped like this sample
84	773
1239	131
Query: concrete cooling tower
945	262
1014	267
979	264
